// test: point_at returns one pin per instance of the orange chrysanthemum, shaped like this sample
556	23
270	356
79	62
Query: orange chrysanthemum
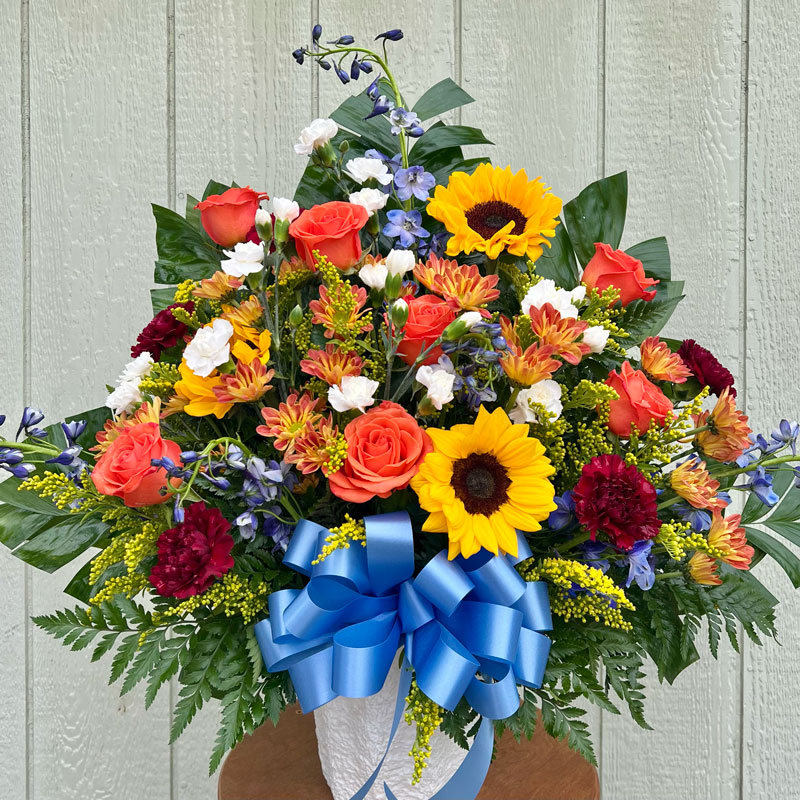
289	421
660	363
703	569
219	285
691	481
461	285
728	433
560	332
331	364
339	310
312	450
294	267
728	537
250	382
149	411
525	365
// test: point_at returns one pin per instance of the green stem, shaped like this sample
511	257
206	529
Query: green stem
574	541
664	575
770	462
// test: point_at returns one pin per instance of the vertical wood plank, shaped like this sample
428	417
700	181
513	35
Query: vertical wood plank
424	56
240	101
673	121
98	144
12	282
771	691
535	77
536	82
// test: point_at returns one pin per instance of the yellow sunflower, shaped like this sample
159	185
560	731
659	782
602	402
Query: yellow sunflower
494	210
482	482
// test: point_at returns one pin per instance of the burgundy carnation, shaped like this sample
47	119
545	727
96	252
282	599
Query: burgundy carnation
706	368
614	498
193	553
161	333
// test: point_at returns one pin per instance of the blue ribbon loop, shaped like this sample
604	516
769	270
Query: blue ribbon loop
471	628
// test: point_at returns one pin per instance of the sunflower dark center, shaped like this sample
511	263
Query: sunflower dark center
481	482
489	217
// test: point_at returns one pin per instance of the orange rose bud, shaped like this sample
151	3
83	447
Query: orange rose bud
125	471
428	316
609	267
385	448
332	229
229	217
639	402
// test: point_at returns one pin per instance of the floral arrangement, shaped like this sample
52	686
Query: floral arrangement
420	409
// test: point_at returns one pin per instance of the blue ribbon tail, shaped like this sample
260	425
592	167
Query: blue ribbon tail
468	779
400	704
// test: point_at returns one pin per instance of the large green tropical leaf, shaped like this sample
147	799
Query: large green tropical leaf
557	262
184	252
444	96
597	214
643	318
654	255
440	136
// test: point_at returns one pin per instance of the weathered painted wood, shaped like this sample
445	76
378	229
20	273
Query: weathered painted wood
771	675
12	327
98	157
536	83
672	89
240	101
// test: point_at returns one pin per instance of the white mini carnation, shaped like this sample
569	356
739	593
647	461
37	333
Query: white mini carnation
209	348
355	391
546	292
124	397
596	337
374	275
263	217
285	209
439	383
470	319
372	199
398	262
363	169
317	134
137	369
244	259
545	393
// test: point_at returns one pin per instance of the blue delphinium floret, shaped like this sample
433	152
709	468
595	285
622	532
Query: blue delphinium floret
415	182
405	225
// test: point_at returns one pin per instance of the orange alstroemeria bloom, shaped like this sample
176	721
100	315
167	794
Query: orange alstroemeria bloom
660	363
339	310
728	435
461	285
219	285
525	365
312	450
147	412
250	382
728	537
560	332
244	317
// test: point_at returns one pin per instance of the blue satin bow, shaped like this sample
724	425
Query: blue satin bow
471	627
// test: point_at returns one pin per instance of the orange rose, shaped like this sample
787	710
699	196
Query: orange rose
125	471
385	448
428	316
616	268
229	217
332	228
640	401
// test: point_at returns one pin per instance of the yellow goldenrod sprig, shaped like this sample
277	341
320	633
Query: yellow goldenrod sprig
351	530
427	716
597	596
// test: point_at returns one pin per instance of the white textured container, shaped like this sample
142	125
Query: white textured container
352	735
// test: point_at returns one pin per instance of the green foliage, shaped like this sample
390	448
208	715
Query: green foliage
184	252
557	262
654	255
597	214
643	318
440	98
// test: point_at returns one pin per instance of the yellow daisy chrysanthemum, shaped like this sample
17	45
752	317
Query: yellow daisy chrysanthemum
483	482
493	210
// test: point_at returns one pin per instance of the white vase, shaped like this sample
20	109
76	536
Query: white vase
352	736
